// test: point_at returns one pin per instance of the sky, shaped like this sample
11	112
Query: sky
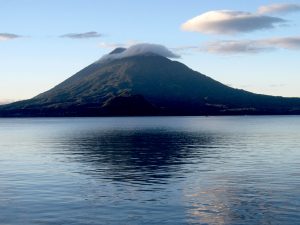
252	45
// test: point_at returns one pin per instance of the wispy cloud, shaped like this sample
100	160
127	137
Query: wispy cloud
236	47
282	8
227	47
86	35
251	46
230	22
8	36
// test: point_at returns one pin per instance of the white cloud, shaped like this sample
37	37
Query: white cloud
141	49
251	46
91	34
8	36
282	8
230	22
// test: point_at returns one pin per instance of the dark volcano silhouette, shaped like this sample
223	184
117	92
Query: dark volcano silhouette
146	84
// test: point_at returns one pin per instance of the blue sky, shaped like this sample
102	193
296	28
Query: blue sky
260	59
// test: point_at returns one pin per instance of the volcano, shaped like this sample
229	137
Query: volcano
124	84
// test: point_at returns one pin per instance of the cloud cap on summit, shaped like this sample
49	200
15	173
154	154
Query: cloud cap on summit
141	49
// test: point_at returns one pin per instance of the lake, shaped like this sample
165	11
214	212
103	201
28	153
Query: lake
150	170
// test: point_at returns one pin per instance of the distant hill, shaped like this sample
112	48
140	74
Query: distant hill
146	84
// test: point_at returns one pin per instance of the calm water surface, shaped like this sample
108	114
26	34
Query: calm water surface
150	170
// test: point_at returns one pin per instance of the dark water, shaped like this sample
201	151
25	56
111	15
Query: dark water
160	170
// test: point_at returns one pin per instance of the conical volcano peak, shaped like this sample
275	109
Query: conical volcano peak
143	49
141	80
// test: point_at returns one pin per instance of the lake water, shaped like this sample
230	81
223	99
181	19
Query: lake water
150	170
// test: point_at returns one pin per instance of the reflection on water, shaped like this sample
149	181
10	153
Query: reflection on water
161	170
145	156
